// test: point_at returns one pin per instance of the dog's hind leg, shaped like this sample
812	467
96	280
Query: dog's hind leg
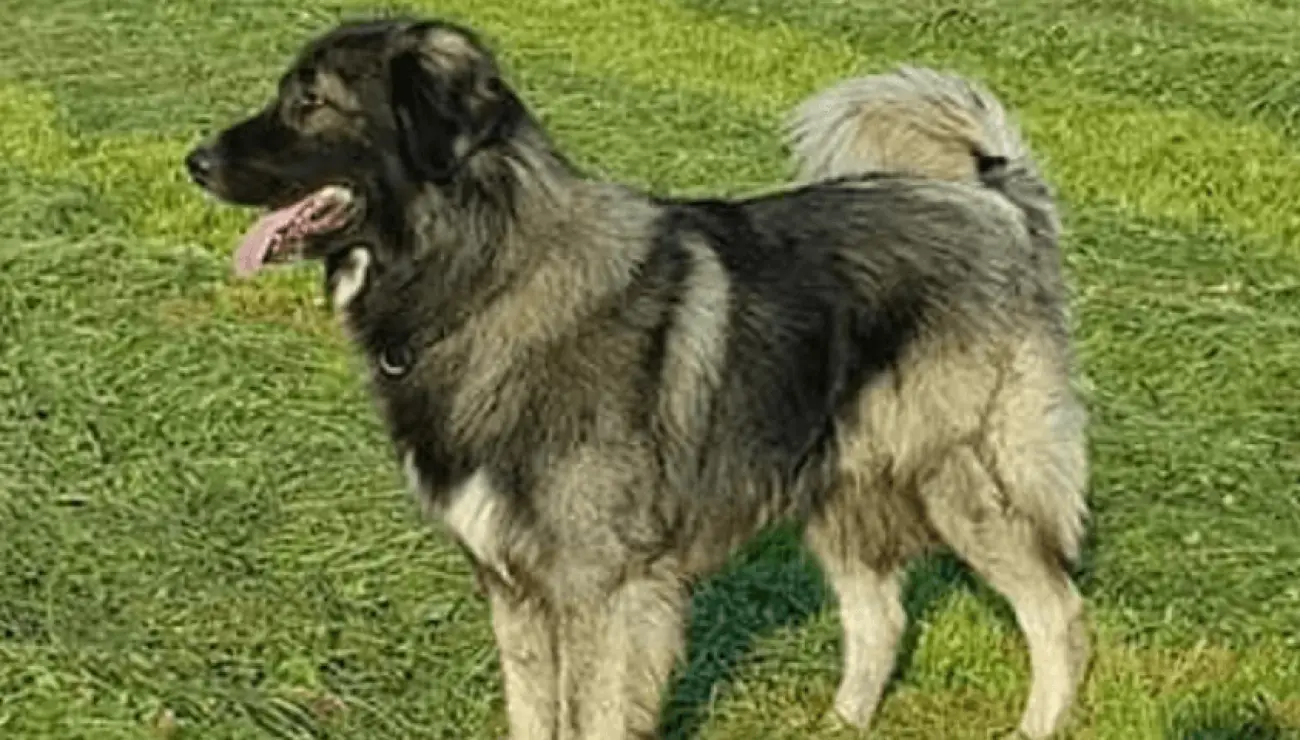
871	614
525	634
969	508
618	653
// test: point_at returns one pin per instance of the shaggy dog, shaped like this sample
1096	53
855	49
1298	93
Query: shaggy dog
602	393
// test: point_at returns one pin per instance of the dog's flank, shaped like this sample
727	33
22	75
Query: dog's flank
602	393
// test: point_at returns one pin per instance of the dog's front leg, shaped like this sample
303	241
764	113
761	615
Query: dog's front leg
617	653
525	632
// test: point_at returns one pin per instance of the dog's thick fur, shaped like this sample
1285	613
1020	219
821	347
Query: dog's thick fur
602	393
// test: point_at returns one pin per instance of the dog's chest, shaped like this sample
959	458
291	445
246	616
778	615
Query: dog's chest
472	510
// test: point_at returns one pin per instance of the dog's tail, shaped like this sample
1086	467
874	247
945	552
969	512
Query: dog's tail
920	121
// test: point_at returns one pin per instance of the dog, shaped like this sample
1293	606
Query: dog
601	393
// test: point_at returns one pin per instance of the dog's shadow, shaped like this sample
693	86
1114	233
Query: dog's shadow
774	584
1244	721
771	584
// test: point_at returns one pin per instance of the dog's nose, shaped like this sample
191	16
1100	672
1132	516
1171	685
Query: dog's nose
199	162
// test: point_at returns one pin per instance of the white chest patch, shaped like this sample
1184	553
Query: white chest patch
473	512
350	278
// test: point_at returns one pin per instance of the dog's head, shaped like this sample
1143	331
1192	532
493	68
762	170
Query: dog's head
367	115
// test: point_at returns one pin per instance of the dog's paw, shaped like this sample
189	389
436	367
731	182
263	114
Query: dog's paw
845	721
854	709
1036	726
1031	733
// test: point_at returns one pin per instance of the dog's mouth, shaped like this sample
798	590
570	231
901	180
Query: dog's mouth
281	236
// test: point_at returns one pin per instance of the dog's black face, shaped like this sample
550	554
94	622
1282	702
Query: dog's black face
368	115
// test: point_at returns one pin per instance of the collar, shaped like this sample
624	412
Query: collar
395	361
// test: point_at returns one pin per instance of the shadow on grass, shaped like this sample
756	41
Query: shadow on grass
1247	720
774	585
771	585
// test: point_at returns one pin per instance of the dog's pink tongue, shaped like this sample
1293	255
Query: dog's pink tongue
253	250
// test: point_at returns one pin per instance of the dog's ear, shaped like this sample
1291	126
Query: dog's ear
447	96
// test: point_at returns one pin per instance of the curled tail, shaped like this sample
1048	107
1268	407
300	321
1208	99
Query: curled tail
920	121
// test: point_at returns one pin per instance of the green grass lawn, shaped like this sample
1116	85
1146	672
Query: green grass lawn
202	534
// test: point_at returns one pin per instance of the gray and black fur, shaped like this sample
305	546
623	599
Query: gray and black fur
602	393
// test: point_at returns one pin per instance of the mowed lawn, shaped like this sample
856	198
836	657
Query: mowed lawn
203	535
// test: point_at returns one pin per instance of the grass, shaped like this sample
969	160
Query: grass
202	532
